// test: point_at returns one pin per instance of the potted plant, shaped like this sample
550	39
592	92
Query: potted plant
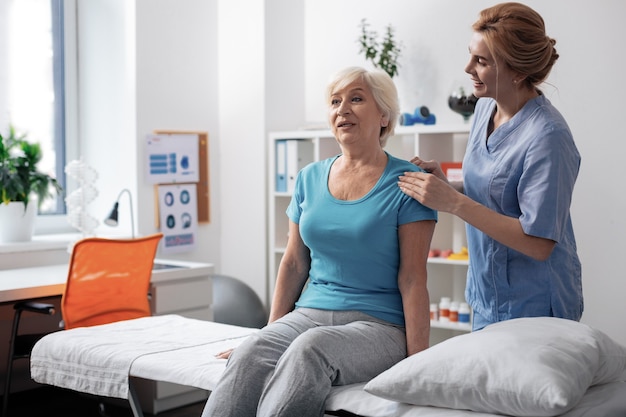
383	55
21	183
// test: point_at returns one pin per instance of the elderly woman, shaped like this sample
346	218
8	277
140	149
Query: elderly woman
360	245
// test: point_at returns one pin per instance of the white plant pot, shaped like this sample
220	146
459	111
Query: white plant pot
16	225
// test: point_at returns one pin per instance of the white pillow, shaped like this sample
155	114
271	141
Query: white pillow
538	366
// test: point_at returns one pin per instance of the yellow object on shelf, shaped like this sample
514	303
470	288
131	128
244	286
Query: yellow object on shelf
462	255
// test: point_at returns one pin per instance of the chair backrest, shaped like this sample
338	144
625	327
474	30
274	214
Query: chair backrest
108	280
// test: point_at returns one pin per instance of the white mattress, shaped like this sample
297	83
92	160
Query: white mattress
99	360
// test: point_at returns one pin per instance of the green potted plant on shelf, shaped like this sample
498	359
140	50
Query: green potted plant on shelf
383	55
21	183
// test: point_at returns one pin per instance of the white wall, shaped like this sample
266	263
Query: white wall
161	63
177	89
241	63
239	69
143	66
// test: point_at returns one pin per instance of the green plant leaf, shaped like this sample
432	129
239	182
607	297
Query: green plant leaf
383	55
19	173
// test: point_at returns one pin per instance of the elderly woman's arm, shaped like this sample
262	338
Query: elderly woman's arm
292	274
415	241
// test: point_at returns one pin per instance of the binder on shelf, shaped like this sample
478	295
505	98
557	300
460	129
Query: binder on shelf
299	154
281	166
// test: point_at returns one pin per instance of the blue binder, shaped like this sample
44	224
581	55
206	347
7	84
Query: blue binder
281	166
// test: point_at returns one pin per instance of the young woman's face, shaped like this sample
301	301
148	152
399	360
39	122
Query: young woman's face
354	114
491	77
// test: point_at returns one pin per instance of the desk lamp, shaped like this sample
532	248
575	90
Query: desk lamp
111	219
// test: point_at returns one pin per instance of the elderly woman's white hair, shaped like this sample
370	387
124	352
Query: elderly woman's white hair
383	90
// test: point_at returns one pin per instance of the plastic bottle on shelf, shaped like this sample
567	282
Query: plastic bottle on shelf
454	312
434	311
444	309
464	313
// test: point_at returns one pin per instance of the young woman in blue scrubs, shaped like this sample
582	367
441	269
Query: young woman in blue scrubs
519	171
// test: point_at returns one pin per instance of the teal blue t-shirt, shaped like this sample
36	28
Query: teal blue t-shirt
354	245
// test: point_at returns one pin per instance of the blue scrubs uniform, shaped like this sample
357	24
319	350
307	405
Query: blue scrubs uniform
526	169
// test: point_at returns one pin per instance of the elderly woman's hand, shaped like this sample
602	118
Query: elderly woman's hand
224	355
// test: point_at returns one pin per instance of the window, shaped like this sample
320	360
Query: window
33	84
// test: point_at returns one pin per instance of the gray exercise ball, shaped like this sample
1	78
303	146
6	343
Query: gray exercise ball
234	302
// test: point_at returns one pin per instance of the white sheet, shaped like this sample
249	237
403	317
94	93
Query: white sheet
608	400
194	366
99	362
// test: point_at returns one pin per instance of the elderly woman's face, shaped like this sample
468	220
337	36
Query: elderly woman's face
354	114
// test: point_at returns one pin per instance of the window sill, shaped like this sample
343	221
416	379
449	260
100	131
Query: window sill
40	243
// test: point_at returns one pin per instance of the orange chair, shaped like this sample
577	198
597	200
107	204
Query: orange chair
108	280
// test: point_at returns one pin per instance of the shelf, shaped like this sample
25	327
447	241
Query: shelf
431	129
439	261
462	327
399	130
444	261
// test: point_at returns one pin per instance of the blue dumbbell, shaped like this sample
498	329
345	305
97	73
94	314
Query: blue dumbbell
420	115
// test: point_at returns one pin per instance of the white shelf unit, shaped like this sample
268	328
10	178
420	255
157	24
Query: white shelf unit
444	143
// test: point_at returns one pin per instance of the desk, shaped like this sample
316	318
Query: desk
37	282
49	281
176	287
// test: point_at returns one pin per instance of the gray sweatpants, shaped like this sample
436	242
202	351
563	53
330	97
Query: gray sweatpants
288	368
